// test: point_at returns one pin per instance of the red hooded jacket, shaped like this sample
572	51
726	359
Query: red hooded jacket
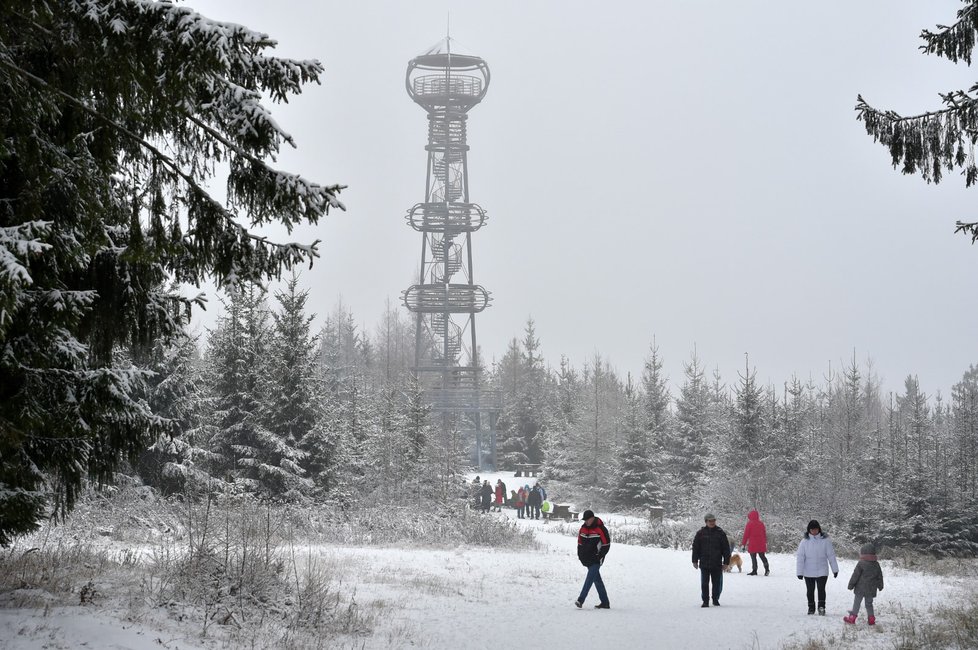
755	534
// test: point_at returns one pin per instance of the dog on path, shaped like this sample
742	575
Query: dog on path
735	561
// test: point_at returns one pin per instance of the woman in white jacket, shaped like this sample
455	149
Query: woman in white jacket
815	555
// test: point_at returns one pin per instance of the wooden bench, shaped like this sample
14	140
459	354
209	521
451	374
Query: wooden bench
562	511
527	469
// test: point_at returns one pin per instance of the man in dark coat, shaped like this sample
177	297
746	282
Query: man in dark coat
486	494
711	554
535	501
593	544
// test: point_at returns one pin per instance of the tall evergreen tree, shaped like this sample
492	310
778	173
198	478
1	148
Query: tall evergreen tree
97	215
179	460
688	443
743	448
522	379
964	412
255	459
511	448
561	444
636	479
938	141
289	411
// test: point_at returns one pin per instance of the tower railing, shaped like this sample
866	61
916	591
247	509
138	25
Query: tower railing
456	85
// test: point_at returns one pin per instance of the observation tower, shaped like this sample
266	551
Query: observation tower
447	83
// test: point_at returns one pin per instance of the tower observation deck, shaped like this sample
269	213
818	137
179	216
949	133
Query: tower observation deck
447	83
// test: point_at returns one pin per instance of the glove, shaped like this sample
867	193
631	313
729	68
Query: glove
801	577
835	574
696	565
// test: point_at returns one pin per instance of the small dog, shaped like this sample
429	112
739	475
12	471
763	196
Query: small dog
735	561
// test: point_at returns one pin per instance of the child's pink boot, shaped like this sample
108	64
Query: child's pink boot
850	619
872	620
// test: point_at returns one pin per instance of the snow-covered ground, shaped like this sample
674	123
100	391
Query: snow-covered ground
475	598
492	598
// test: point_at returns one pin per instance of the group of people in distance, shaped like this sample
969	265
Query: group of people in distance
711	555
527	500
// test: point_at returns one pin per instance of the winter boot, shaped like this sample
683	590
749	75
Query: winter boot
603	606
767	572
850	619
753	573
821	610
716	602
706	603
578	604
811	608
872	620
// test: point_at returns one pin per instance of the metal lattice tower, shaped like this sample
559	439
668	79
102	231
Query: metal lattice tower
447	84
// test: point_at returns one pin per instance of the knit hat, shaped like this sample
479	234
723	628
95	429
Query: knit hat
709	516
814	524
587	514
867	549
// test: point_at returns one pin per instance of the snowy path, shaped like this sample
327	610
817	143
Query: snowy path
485	598
495	599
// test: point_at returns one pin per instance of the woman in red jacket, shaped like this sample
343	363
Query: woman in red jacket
755	537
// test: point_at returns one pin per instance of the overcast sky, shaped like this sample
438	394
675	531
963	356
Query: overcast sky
686	170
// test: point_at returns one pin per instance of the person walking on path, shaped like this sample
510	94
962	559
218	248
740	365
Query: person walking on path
711	555
866	580
755	539
593	544
815	555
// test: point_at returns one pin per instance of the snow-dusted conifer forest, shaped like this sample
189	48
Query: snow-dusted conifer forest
277	481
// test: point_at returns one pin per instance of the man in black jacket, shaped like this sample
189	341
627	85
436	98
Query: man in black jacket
593	543
711	554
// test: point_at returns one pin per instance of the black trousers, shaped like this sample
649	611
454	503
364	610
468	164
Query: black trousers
810	584
753	561
706	575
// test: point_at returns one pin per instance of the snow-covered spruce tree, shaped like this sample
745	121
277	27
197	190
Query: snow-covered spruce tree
348	410
387	464
942	140
645	424
178	460
636	485
560	445
115	113
914	413
788	444
289	410
522	379
964	413
722	485
744	446
686	447
254	459
511	446
598	430
419	435
850	428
